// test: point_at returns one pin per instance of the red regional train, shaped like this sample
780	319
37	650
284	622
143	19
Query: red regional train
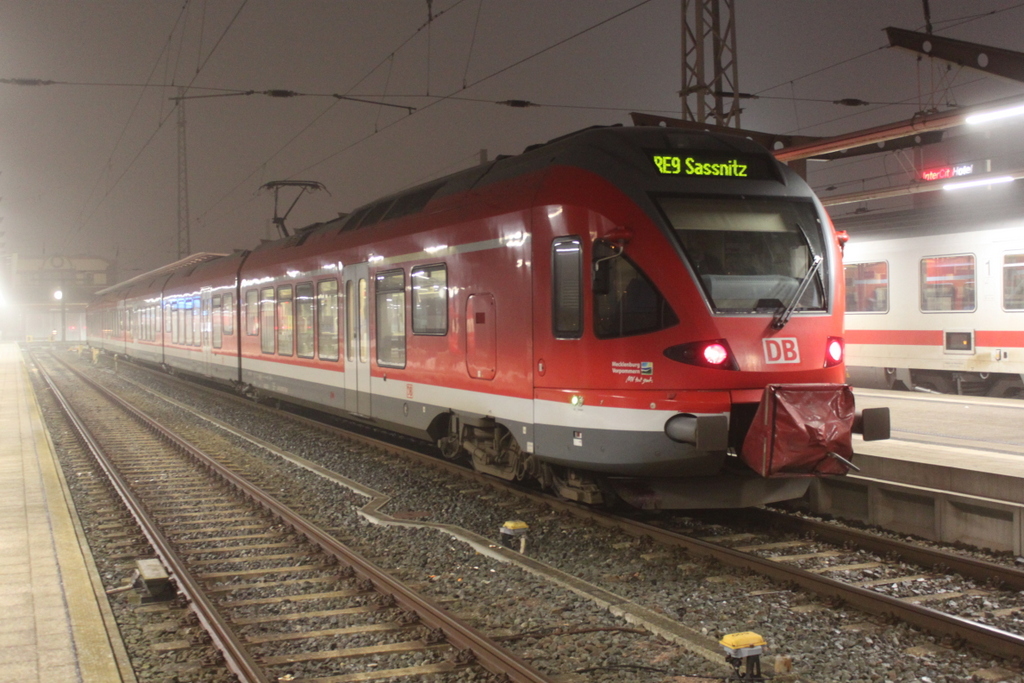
643	313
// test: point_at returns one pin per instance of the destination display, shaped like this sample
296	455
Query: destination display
713	165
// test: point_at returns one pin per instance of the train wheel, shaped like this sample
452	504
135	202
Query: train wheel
511	455
572	484
450	444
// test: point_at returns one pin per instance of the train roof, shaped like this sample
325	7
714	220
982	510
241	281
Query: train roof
610	151
181	264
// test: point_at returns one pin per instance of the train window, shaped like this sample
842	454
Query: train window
430	299
327	319
390	288
285	320
1013	282
351	323
867	287
625	301
201	334
187	322
229	313
750	255
252	313
364	321
266	326
175	327
947	283
304	316
218	321
567	290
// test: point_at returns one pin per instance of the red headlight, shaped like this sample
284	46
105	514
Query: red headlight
714	353
834	351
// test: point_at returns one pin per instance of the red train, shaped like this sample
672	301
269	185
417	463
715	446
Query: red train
602	313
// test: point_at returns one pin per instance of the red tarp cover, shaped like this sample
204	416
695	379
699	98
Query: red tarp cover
796	426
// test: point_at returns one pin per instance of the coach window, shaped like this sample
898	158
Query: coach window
351	323
327	319
200	333
285	320
175	339
252	313
1013	282
567	290
430	299
947	283
186	323
625	301
867	287
266	326
364	321
218	319
229	313
193	320
304	313
390	287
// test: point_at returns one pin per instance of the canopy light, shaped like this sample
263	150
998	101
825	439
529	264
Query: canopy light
987	116
960	185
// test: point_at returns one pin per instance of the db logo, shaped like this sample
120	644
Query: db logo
781	350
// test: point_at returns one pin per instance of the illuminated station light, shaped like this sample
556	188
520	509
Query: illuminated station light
947	172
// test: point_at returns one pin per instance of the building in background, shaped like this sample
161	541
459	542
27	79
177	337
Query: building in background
44	297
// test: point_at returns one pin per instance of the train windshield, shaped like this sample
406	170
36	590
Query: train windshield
752	255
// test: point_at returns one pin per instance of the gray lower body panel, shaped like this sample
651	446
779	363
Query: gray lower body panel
720	491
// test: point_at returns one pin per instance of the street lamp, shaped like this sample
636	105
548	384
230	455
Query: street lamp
59	296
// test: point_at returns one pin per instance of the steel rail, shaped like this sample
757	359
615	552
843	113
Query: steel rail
971	567
462	636
986	638
236	655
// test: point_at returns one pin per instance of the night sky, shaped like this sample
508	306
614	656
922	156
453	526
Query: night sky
88	165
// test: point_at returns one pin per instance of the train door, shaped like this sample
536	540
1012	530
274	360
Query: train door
481	337
356	280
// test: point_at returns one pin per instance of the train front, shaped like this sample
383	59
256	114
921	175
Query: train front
717	300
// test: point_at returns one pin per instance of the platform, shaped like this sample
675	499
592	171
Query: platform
55	629
953	471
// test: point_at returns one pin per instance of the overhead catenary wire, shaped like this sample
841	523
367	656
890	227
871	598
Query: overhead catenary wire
159	127
439	99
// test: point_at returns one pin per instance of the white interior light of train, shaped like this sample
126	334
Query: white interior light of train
986	116
960	185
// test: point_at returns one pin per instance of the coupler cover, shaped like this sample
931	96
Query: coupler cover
798	428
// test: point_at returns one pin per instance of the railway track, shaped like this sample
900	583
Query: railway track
280	598
882	577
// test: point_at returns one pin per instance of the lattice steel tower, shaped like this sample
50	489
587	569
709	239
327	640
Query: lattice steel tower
710	92
184	241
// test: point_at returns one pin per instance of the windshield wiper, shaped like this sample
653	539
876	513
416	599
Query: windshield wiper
783	317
